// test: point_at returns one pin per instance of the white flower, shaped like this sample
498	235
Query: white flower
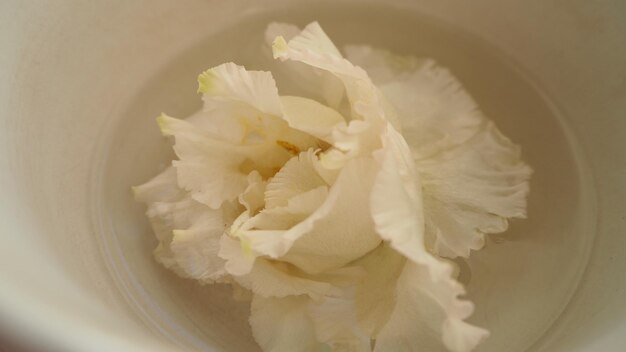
335	209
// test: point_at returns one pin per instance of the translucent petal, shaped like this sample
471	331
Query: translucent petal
330	302
283	324
169	208
195	249
163	255
472	190
396	202
336	324
164	218
161	188
381	65
473	178
426	310
177	214
427	304
434	110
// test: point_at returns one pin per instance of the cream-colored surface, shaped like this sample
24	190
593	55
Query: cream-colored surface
73	73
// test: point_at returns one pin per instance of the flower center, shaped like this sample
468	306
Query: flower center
289	147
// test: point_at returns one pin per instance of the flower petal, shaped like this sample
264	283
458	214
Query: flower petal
313	82
232	82
336	324
269	278
297	209
161	188
285	30
208	168
214	170
326	234
176	214
239	260
376	293
211	181
347	231
381	65
426	309
396	202
245	104
297	176
309	116
253	198
195	249
472	190
435	112
169	208
324	298
427	302
313	47
357	139
283	324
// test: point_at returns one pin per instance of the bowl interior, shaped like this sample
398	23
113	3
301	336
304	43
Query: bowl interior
507	280
82	82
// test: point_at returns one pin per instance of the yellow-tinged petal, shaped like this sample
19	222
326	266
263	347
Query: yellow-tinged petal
279	46
232	82
312	82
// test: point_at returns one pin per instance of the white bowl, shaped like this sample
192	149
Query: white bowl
81	83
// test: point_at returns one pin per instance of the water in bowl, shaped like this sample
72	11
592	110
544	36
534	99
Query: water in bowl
521	282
